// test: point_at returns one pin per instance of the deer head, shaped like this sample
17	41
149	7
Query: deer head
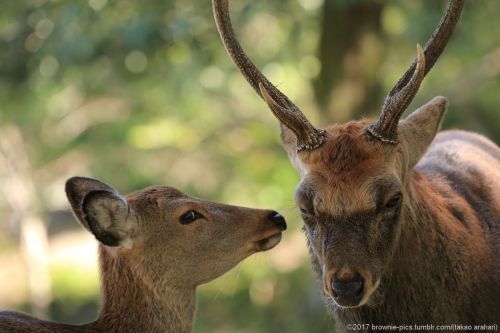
168	237
353	192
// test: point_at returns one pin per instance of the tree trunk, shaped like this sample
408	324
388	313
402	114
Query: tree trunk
20	194
350	51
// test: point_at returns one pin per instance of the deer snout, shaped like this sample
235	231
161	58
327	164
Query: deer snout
348	292
346	287
277	219
270	234
351	288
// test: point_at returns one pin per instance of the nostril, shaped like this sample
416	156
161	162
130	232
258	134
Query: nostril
273	216
347	288
358	290
277	219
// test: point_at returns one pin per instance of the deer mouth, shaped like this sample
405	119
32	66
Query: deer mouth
269	242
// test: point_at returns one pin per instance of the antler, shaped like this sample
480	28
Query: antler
308	137
398	99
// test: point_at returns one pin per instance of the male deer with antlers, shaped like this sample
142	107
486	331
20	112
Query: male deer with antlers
403	226
156	246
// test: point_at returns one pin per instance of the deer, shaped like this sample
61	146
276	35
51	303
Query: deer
156	245
402	222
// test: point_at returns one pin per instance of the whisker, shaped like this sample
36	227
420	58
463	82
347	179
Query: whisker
227	279
235	280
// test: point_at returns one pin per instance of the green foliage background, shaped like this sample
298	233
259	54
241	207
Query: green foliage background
137	93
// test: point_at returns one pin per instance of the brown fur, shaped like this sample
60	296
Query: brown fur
151	263
393	241
434	260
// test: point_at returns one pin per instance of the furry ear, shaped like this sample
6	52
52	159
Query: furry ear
421	126
101	210
289	143
77	188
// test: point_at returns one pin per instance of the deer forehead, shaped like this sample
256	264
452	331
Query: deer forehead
156	199
164	203
347	147
332	197
361	188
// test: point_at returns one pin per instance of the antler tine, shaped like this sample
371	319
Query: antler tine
385	129
401	95
308	137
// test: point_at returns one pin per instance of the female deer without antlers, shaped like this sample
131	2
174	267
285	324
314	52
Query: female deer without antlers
156	246
403	226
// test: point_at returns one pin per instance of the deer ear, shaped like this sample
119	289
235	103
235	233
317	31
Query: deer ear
289	143
102	211
419	128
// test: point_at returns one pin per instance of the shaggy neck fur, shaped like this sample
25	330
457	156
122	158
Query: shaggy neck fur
131	303
435	262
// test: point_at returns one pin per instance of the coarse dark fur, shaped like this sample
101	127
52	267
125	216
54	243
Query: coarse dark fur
400	231
439	261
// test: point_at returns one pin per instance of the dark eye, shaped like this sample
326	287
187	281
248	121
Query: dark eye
190	216
304	211
394	202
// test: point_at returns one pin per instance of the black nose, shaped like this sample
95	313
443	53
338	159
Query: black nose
277	219
348	292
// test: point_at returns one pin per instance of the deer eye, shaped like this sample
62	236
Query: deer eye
304	211
190	216
394	202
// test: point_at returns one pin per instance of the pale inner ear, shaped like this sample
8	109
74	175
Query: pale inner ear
77	188
109	218
288	141
419	128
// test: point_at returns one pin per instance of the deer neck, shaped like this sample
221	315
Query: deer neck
423	230
431	245
132	303
423	237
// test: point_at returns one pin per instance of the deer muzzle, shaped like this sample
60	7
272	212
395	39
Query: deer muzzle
348	287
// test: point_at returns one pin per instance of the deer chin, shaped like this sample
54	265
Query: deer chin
268	242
